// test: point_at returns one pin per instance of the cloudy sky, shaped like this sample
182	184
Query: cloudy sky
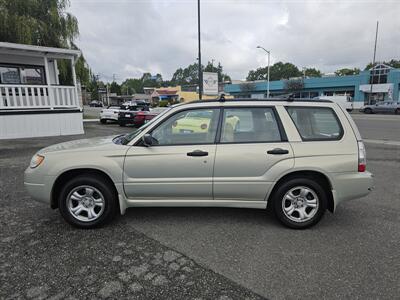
129	37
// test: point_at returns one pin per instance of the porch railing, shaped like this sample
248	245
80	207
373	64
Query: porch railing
37	96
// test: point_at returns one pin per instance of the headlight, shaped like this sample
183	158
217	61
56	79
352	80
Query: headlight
36	160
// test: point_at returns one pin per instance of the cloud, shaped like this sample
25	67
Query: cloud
128	37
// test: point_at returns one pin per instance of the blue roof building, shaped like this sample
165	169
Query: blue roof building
381	83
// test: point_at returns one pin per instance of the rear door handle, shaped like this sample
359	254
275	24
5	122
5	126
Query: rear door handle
278	151
197	153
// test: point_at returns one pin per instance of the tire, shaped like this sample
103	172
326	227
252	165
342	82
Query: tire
87	196
103	121
368	111
121	123
397	111
313	204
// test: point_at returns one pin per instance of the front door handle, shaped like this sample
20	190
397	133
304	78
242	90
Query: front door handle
278	151
197	153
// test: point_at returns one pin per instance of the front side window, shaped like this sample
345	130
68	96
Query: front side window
249	125
189	127
316	123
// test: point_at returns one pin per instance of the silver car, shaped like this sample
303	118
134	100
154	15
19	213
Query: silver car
298	158
386	107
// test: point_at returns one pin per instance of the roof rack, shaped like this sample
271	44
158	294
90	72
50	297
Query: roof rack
287	99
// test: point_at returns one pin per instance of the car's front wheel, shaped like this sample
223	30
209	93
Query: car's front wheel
299	203
87	202
368	111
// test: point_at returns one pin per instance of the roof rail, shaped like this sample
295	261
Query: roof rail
286	99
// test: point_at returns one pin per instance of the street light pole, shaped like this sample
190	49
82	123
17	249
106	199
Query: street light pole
269	53
198	33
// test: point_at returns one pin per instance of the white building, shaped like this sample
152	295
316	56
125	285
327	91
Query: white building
32	102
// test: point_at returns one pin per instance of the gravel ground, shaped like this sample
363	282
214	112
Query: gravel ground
41	257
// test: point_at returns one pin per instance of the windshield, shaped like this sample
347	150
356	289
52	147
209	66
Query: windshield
130	136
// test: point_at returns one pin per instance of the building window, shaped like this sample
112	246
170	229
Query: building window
15	74
32	75
9	75
378	74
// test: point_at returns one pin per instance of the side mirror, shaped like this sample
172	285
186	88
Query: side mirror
147	140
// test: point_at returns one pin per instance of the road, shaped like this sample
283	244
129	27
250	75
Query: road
378	127
229	253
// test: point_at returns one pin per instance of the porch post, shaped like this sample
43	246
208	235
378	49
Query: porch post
77	102
50	93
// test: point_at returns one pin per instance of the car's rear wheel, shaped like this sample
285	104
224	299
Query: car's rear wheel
397	111
87	202
122	123
299	203
103	121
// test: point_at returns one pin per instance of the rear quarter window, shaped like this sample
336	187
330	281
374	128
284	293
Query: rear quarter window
316	123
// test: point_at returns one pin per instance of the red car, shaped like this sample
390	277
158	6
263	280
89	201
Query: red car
137	118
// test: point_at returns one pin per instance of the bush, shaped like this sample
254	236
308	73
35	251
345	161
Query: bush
163	103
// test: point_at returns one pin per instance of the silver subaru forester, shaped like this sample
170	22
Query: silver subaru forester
298	158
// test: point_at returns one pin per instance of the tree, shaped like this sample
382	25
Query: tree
43	23
312	72
277	71
132	86
247	87
347	71
293	85
218	69
188	75
115	88
149	80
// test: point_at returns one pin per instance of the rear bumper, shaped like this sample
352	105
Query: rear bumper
348	186
109	117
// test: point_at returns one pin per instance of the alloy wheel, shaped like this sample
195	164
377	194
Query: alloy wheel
300	204
85	203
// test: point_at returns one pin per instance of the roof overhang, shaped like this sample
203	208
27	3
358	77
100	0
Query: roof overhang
30	50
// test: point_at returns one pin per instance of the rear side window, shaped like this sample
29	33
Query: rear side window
316	123
249	125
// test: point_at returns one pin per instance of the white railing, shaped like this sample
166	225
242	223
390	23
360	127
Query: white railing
13	96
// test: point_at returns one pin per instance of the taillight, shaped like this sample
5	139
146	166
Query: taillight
362	157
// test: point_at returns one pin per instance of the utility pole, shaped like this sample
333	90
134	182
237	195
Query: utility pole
198	33
269	53
373	63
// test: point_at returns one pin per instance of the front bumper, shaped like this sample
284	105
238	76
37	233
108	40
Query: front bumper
38	186
348	186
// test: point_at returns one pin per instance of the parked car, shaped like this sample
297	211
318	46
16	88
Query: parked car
95	103
345	101
384	107
109	114
298	158
134	114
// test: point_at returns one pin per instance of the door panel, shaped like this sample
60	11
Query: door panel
243	169
246	171
168	172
